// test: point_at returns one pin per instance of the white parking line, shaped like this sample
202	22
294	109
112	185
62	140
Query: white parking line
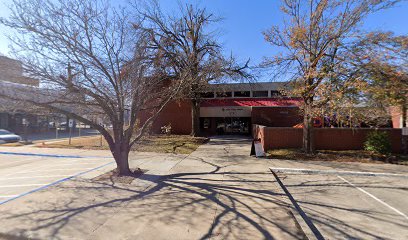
43	186
58	169
335	172
8	196
50	176
375	198
18	172
23	185
73	164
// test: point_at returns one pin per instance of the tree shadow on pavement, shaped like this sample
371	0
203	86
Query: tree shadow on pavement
204	204
219	199
327	211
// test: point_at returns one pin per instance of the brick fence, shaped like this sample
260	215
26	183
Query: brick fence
325	138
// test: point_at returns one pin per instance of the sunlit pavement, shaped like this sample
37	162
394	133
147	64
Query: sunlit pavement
349	200
217	192
24	170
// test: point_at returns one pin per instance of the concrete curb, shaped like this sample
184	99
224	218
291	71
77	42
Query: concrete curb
335	172
305	224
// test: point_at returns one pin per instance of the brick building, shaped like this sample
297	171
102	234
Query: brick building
11	71
233	108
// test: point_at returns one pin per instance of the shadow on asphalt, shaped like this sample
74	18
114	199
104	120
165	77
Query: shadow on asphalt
235	209
318	211
174	199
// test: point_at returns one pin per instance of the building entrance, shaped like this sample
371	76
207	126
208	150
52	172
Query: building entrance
233	125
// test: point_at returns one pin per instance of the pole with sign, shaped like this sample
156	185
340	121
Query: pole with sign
70	125
25	124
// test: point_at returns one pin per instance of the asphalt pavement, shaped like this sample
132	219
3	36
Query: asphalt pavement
356	201
25	170
217	192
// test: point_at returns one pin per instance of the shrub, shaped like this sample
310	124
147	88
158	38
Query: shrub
378	142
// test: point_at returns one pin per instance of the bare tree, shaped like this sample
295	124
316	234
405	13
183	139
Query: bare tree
315	38
93	64
196	55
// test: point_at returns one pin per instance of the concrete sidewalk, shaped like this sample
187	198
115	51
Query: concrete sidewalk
217	192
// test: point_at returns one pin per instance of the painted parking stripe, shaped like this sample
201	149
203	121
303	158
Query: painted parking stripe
30	177
57	169
375	198
335	172
74	164
53	183
37	169
22	185
42	169
8	196
312	231
49	155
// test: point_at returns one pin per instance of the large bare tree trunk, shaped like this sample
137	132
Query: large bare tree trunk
121	156
308	136
195	118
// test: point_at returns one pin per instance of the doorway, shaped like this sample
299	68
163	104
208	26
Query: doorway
233	125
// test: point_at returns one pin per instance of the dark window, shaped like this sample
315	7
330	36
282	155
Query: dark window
242	94
224	94
275	93
206	123
207	95
260	93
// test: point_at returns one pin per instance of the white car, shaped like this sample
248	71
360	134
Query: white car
8	137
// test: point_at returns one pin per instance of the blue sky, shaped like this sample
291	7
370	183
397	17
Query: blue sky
244	21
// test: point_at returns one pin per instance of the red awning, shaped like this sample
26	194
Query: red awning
251	102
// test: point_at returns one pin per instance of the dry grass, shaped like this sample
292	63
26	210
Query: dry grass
16	144
337	156
180	144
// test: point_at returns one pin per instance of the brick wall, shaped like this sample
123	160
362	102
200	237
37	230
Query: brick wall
278	137
276	116
12	71
178	113
325	138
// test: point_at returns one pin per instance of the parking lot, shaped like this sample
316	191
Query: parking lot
346	203
24	170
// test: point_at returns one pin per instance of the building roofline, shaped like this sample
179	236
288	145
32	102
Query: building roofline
247	86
